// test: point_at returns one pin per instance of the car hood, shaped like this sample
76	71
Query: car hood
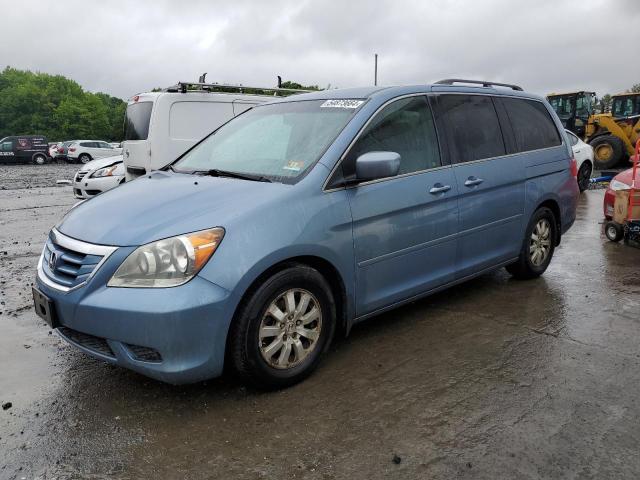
626	175
163	205
100	163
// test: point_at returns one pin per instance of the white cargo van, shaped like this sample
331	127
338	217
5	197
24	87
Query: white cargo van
161	126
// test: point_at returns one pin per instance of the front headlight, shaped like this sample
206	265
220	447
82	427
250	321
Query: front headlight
618	185
169	262
104	172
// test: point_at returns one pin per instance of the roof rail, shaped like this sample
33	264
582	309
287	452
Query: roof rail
451	81
184	87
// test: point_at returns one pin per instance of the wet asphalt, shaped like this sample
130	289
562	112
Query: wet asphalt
492	379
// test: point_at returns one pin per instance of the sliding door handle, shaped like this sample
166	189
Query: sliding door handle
472	181
439	188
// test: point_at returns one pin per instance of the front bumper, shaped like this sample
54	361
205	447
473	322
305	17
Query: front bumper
90	187
184	328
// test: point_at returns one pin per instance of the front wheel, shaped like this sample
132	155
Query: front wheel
283	328
538	246
84	158
608	150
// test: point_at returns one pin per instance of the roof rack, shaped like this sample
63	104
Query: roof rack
451	81
184	87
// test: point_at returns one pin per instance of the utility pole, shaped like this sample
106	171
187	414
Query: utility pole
375	69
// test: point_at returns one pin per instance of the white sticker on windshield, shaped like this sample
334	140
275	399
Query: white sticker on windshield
345	103
293	166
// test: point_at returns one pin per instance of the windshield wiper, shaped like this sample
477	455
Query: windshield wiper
214	172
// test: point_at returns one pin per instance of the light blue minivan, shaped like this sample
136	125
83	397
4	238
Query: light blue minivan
302	217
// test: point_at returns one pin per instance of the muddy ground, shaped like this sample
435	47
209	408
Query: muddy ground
492	379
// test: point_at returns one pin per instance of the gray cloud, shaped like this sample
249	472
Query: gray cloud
127	47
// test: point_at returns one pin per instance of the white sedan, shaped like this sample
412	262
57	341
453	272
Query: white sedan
583	153
98	176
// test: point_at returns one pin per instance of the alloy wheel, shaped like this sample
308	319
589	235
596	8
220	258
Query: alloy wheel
540	242
290	329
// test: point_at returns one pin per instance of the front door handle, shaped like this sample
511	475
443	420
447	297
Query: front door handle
439	188
472	181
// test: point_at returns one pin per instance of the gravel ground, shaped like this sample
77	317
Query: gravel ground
25	177
492	379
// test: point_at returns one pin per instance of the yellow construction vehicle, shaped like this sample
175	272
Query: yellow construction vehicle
612	135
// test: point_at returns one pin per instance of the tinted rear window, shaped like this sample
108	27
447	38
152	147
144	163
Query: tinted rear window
472	127
136	125
532	124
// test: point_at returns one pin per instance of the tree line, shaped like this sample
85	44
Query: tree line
33	103
56	107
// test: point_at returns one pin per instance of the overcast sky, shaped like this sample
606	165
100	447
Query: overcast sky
123	48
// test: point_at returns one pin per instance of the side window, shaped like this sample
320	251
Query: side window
7	146
532	124
472	127
405	127
573	140
104	145
86	144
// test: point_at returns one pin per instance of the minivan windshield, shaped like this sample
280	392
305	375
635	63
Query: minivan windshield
136	122
279	141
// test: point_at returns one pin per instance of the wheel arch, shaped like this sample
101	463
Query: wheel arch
327	269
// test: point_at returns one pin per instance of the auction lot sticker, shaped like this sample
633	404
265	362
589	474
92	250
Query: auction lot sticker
345	103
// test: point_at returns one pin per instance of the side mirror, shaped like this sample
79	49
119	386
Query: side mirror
375	165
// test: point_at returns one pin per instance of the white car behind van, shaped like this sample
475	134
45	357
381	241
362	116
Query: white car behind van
161	126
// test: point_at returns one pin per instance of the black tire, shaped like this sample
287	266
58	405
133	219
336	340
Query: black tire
613	231
607	143
526	267
39	159
84	158
584	175
244	343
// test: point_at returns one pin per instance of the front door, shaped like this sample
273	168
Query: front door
403	227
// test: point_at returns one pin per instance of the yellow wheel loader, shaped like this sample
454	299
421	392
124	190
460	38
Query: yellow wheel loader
612	135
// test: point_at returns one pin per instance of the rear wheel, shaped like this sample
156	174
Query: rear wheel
84	158
608	150
613	231
584	175
283	328
39	159
538	246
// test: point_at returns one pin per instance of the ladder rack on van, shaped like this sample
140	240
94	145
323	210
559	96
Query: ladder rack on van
185	87
451	81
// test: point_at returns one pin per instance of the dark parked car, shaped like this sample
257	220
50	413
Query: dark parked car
24	149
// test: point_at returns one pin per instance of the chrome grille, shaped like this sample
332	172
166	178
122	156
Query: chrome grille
80	175
67	263
66	267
